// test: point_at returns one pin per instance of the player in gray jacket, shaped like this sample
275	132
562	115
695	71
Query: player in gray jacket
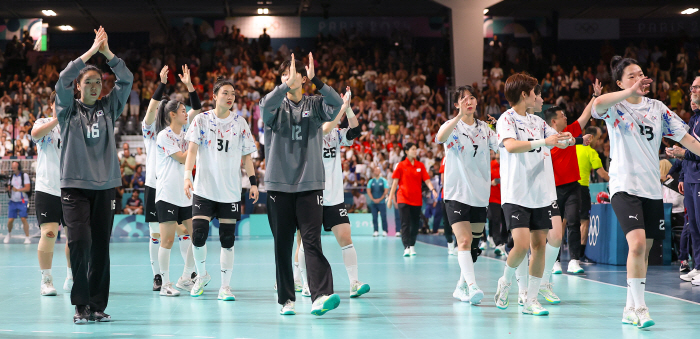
295	179
90	172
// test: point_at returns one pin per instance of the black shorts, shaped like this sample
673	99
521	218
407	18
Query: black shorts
585	202
553	209
150	210
458	212
213	209
635	213
48	208
168	212
523	217
334	216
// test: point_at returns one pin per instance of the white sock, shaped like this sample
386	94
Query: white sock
630	297
550	257
226	266
466	265
350	260
638	285
186	253
69	273
302	265
521	274
164	262
508	273
296	272
533	289
200	258
46	272
153	247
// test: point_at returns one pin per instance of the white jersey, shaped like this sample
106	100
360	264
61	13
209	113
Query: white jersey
170	186
333	193
635	137
524	178
468	163
149	143
48	167
222	144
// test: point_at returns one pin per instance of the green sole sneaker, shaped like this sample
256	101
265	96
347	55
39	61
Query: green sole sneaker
360	291
646	324
330	304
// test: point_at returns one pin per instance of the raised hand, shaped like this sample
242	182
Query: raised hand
347	96
100	38
587	139
186	79
491	119
164	74
310	68
641	87
292	80
597	88
104	47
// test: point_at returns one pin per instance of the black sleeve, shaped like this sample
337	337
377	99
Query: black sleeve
579	141
318	83
353	133
158	94
194	100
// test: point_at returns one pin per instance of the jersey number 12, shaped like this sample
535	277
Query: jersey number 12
296	132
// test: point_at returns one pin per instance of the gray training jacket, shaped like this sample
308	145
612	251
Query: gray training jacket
89	152
294	138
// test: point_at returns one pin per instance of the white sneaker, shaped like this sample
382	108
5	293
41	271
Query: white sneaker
68	285
644	320
691	275
500	250
398	234
451	248
7	239
305	291
548	294
475	294
27	241
384	234
460	292
533	307
482	245
288	308
574	267
167	290
407	252
324	304
629	317
225	294
696	281
413	250
298	286
199	283
375	234
501	297
522	298
47	288
185	283
556	269
358	288
491	243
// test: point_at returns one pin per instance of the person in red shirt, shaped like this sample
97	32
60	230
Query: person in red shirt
566	177
497	226
408	177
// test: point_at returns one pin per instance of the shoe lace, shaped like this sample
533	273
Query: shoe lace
548	286
641	311
226	289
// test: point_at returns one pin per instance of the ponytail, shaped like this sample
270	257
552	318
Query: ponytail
163	114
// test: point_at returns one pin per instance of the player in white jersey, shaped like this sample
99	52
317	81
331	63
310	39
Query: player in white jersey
527	190
467	143
636	125
46	133
150	134
218	140
335	215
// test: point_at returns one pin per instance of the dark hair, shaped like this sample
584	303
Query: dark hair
221	82
618	65
517	84
538	89
407	147
298	65
593	130
460	92
551	113
163	115
52	97
87	69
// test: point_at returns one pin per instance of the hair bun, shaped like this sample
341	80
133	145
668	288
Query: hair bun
615	61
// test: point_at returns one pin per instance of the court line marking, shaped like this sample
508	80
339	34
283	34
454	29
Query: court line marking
42	331
387	318
7	330
591	280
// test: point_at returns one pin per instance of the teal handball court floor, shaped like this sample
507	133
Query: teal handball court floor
409	298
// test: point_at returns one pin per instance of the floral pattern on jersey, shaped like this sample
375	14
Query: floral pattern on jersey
52	138
172	143
148	131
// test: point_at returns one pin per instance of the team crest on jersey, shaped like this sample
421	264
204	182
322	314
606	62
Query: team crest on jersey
305	114
100	113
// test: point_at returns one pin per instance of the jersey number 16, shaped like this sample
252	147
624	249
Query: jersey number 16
93	131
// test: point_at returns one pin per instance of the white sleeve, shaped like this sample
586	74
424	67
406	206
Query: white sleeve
673	127
194	132
609	115
451	137
167	143
491	139
505	129
247	141
342	137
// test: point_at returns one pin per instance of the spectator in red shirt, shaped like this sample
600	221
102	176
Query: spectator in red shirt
408	176
497	225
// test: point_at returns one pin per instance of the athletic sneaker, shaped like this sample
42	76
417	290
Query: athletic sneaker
407	252
500	249
483	245
629	317
167	290
696	281
691	275
375	234
225	294
305	291
68	285
556	269
358	288
491	243
82	314
451	248
574	267
413	251
288	308
501	297
297	286
185	283
157	282
384	234
199	283
324	304
100	317
47	288
548	294
7	238
685	268
643	318
460	292
533	307
27	241
475	294
522	298
398	234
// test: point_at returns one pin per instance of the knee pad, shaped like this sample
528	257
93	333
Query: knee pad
200	232
476	251
48	237
227	235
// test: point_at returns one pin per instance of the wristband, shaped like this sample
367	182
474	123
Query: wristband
188	176
579	141
318	83
158	94
535	144
194	101
350	113
253	180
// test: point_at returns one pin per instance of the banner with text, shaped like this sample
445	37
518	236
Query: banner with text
589	29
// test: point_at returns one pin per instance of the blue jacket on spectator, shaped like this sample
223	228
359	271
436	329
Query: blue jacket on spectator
691	166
